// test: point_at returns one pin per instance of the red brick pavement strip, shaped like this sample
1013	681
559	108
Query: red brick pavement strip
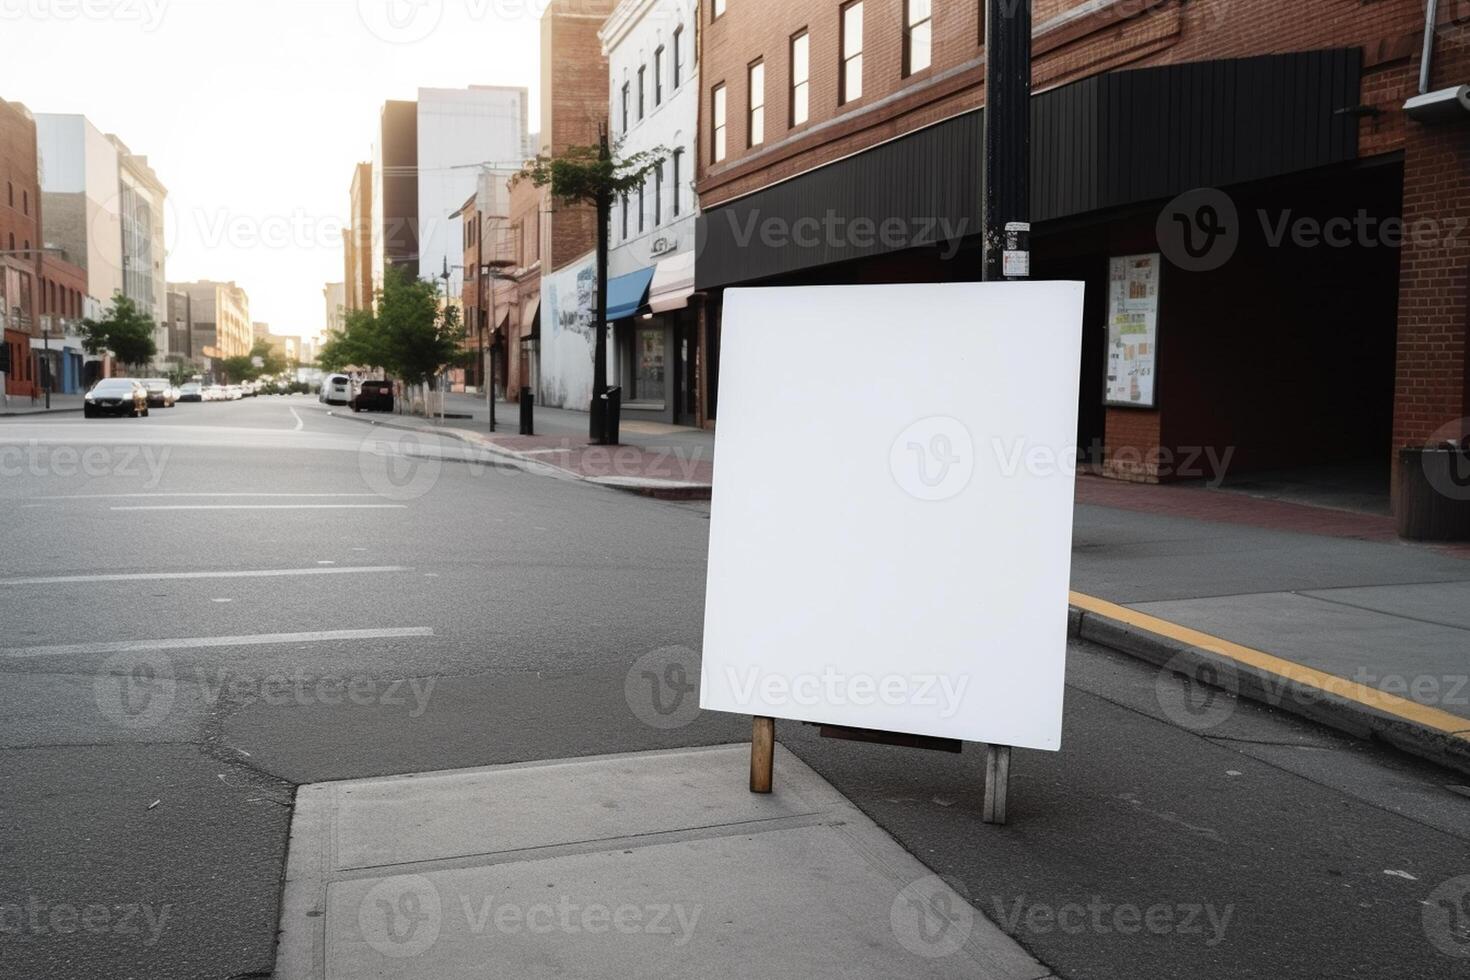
1232	508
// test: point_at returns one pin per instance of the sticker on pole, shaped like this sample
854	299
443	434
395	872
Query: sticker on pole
890	535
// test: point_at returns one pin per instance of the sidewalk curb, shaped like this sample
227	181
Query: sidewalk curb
1434	735
657	489
39	411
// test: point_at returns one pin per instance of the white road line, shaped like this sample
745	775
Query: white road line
263	507
159	576
299	424
160	495
201	642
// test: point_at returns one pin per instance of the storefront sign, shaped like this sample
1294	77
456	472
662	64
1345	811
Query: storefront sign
890	539
1133	330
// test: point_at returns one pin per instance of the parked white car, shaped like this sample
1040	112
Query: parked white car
336	390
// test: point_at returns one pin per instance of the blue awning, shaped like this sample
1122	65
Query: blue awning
626	295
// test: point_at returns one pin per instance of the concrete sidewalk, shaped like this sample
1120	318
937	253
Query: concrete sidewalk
665	461
649	865
1321	612
24	406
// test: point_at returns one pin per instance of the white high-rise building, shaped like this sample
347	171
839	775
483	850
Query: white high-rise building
461	131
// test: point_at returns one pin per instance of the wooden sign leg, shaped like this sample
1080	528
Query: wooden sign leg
997	781
762	754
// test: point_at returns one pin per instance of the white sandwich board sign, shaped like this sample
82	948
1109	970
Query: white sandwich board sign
891	527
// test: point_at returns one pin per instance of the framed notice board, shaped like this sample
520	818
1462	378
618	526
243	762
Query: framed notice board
1133	331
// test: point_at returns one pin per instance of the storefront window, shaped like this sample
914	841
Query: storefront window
648	382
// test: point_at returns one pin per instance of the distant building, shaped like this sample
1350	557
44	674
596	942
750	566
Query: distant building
180	326
81	197
461	132
655	105
395	173
20	232
574	101
141	216
357	240
335	296
220	314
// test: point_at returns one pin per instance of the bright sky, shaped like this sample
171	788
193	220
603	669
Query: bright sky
253	112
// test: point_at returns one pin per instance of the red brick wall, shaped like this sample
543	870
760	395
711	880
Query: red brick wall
1432	395
1132	33
575	89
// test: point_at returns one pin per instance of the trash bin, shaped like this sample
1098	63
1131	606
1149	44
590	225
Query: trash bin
612	412
528	403
1434	492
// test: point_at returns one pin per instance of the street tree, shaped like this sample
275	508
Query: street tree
407	335
124	330
597	176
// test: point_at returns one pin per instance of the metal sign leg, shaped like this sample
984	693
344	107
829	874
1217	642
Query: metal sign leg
997	781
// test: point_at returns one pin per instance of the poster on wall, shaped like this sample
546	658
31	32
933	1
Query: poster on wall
1133	330
908	570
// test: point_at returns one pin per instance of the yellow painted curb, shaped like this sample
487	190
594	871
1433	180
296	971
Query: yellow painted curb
1443	722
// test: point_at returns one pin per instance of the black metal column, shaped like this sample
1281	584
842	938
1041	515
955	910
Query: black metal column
1007	140
596	426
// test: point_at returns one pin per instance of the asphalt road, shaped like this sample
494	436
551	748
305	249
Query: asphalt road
351	602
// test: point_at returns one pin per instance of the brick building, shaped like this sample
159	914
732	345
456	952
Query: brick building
20	237
1323	325
60	304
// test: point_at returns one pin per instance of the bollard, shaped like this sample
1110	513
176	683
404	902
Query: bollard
528	402
612	414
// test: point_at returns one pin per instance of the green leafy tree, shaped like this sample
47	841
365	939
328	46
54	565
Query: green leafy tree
272	362
124	330
407	336
239	368
597	176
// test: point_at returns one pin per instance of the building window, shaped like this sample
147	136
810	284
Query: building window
678	56
755	130
678	162
658	75
851	80
918	35
717	8
642	76
625	217
625	107
658	195
642	206
801	75
717	116
25	200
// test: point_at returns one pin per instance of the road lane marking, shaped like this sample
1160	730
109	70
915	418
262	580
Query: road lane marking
1450	725
262	507
150	496
299	424
199	642
159	576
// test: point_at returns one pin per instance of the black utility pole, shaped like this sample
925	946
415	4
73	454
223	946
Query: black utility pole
1007	140
597	430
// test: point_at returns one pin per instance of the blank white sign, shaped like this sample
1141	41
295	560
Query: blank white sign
891	527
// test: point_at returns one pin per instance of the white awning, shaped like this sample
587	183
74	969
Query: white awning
673	283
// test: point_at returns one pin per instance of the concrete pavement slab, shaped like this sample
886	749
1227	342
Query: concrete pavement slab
1425	662
649	865
1446	603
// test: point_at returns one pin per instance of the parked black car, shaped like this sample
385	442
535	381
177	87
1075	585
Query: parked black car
116	396
373	396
